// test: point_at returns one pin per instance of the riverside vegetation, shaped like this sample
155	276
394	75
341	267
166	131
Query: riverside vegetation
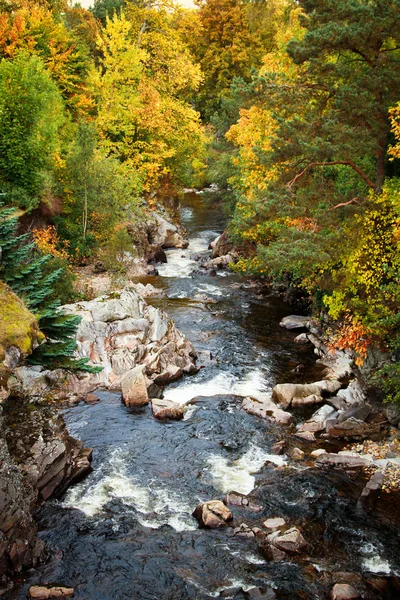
108	116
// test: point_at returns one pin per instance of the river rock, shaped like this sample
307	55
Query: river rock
349	429
221	246
260	594
343	460
274	523
317	453
134	388
43	593
317	423
307	401
221	262
290	541
302	339
149	291
353	394
297	454
305	436
265	408
343	591
284	393
167	235
294	322
166	409
212	514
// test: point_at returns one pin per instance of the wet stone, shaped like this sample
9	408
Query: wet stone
343	591
43	593
212	514
274	523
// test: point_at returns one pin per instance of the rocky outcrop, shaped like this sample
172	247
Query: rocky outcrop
212	514
118	332
156	233
38	460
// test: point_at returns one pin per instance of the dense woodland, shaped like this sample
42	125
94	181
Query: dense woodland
292	108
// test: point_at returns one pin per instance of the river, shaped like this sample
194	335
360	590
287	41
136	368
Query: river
127	531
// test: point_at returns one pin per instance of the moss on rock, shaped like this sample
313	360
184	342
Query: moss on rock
18	327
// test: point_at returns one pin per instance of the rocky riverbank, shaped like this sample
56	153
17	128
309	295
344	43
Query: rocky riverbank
139	349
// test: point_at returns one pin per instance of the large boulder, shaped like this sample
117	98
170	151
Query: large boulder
167	235
134	388
284	393
212	514
221	246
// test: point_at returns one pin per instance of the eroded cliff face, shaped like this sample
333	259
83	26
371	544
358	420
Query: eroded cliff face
38	458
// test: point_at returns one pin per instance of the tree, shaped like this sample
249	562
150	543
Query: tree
42	30
228	45
142	119
31	114
29	274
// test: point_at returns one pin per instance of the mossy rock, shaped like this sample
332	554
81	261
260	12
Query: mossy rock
18	327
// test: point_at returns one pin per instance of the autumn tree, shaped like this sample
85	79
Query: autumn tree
142	118
35	28
229	43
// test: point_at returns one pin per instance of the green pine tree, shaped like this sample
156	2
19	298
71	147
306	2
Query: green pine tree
30	276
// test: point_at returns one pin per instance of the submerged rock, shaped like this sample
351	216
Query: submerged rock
43	593
343	591
212	514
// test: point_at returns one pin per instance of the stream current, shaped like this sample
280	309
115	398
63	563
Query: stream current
127	531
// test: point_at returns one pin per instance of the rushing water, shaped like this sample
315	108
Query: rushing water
127	531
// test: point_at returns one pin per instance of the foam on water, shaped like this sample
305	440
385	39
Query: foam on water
220	384
373	561
164	506
180	264
237	476
253	384
116	484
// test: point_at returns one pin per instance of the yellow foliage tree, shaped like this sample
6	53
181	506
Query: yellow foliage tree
142	119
